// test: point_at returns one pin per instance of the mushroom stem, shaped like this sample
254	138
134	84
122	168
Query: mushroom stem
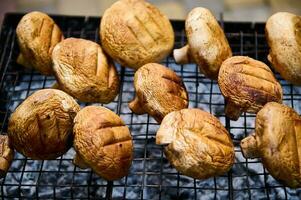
22	61
165	137
136	107
249	147
4	165
232	111
55	85
78	161
183	55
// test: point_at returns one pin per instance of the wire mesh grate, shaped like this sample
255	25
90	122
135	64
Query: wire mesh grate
151	176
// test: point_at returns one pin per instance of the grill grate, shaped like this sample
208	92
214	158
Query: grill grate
151	176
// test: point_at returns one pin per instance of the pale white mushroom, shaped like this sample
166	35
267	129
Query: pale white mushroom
207	44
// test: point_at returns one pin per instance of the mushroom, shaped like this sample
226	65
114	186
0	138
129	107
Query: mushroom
247	85
6	155
103	142
41	126
37	35
83	71
207	44
276	141
283	33
159	91
134	33
196	143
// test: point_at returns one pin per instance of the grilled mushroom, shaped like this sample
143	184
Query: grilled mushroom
37	35
103	142
247	85
159	91
134	33
276	141
283	33
6	155
41	127
196	143
207	44
83	71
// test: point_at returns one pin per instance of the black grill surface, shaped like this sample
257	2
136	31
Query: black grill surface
151	176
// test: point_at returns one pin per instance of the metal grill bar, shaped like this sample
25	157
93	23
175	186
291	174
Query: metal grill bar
151	176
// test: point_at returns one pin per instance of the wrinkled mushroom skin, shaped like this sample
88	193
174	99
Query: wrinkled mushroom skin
196	143
207	44
277	141
283	33
103	142
159	91
41	126
134	33
83	71
6	155
247	85
37	35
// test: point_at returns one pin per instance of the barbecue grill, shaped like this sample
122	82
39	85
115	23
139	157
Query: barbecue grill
151	176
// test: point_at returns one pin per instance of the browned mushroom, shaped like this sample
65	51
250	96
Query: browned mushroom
159	91
41	126
283	33
247	85
276	141
103	142
134	33
83	71
207	44
37	35
196	143
6	155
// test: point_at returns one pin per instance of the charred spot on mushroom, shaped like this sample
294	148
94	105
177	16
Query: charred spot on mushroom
277	141
159	91
41	126
103	142
37	35
83	71
247	85
196	143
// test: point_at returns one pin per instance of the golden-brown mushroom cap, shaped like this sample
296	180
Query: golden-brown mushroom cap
41	126
37	35
159	91
247	85
103	142
196	143
277	141
83	71
207	44
283	33
134	33
6	155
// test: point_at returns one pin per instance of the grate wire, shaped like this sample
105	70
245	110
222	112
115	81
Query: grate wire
151	176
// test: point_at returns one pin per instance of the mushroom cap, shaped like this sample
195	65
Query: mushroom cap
6	154
37	35
103	141
247	83
41	126
159	90
283	33
278	137
207	42
197	144
134	33
83	71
